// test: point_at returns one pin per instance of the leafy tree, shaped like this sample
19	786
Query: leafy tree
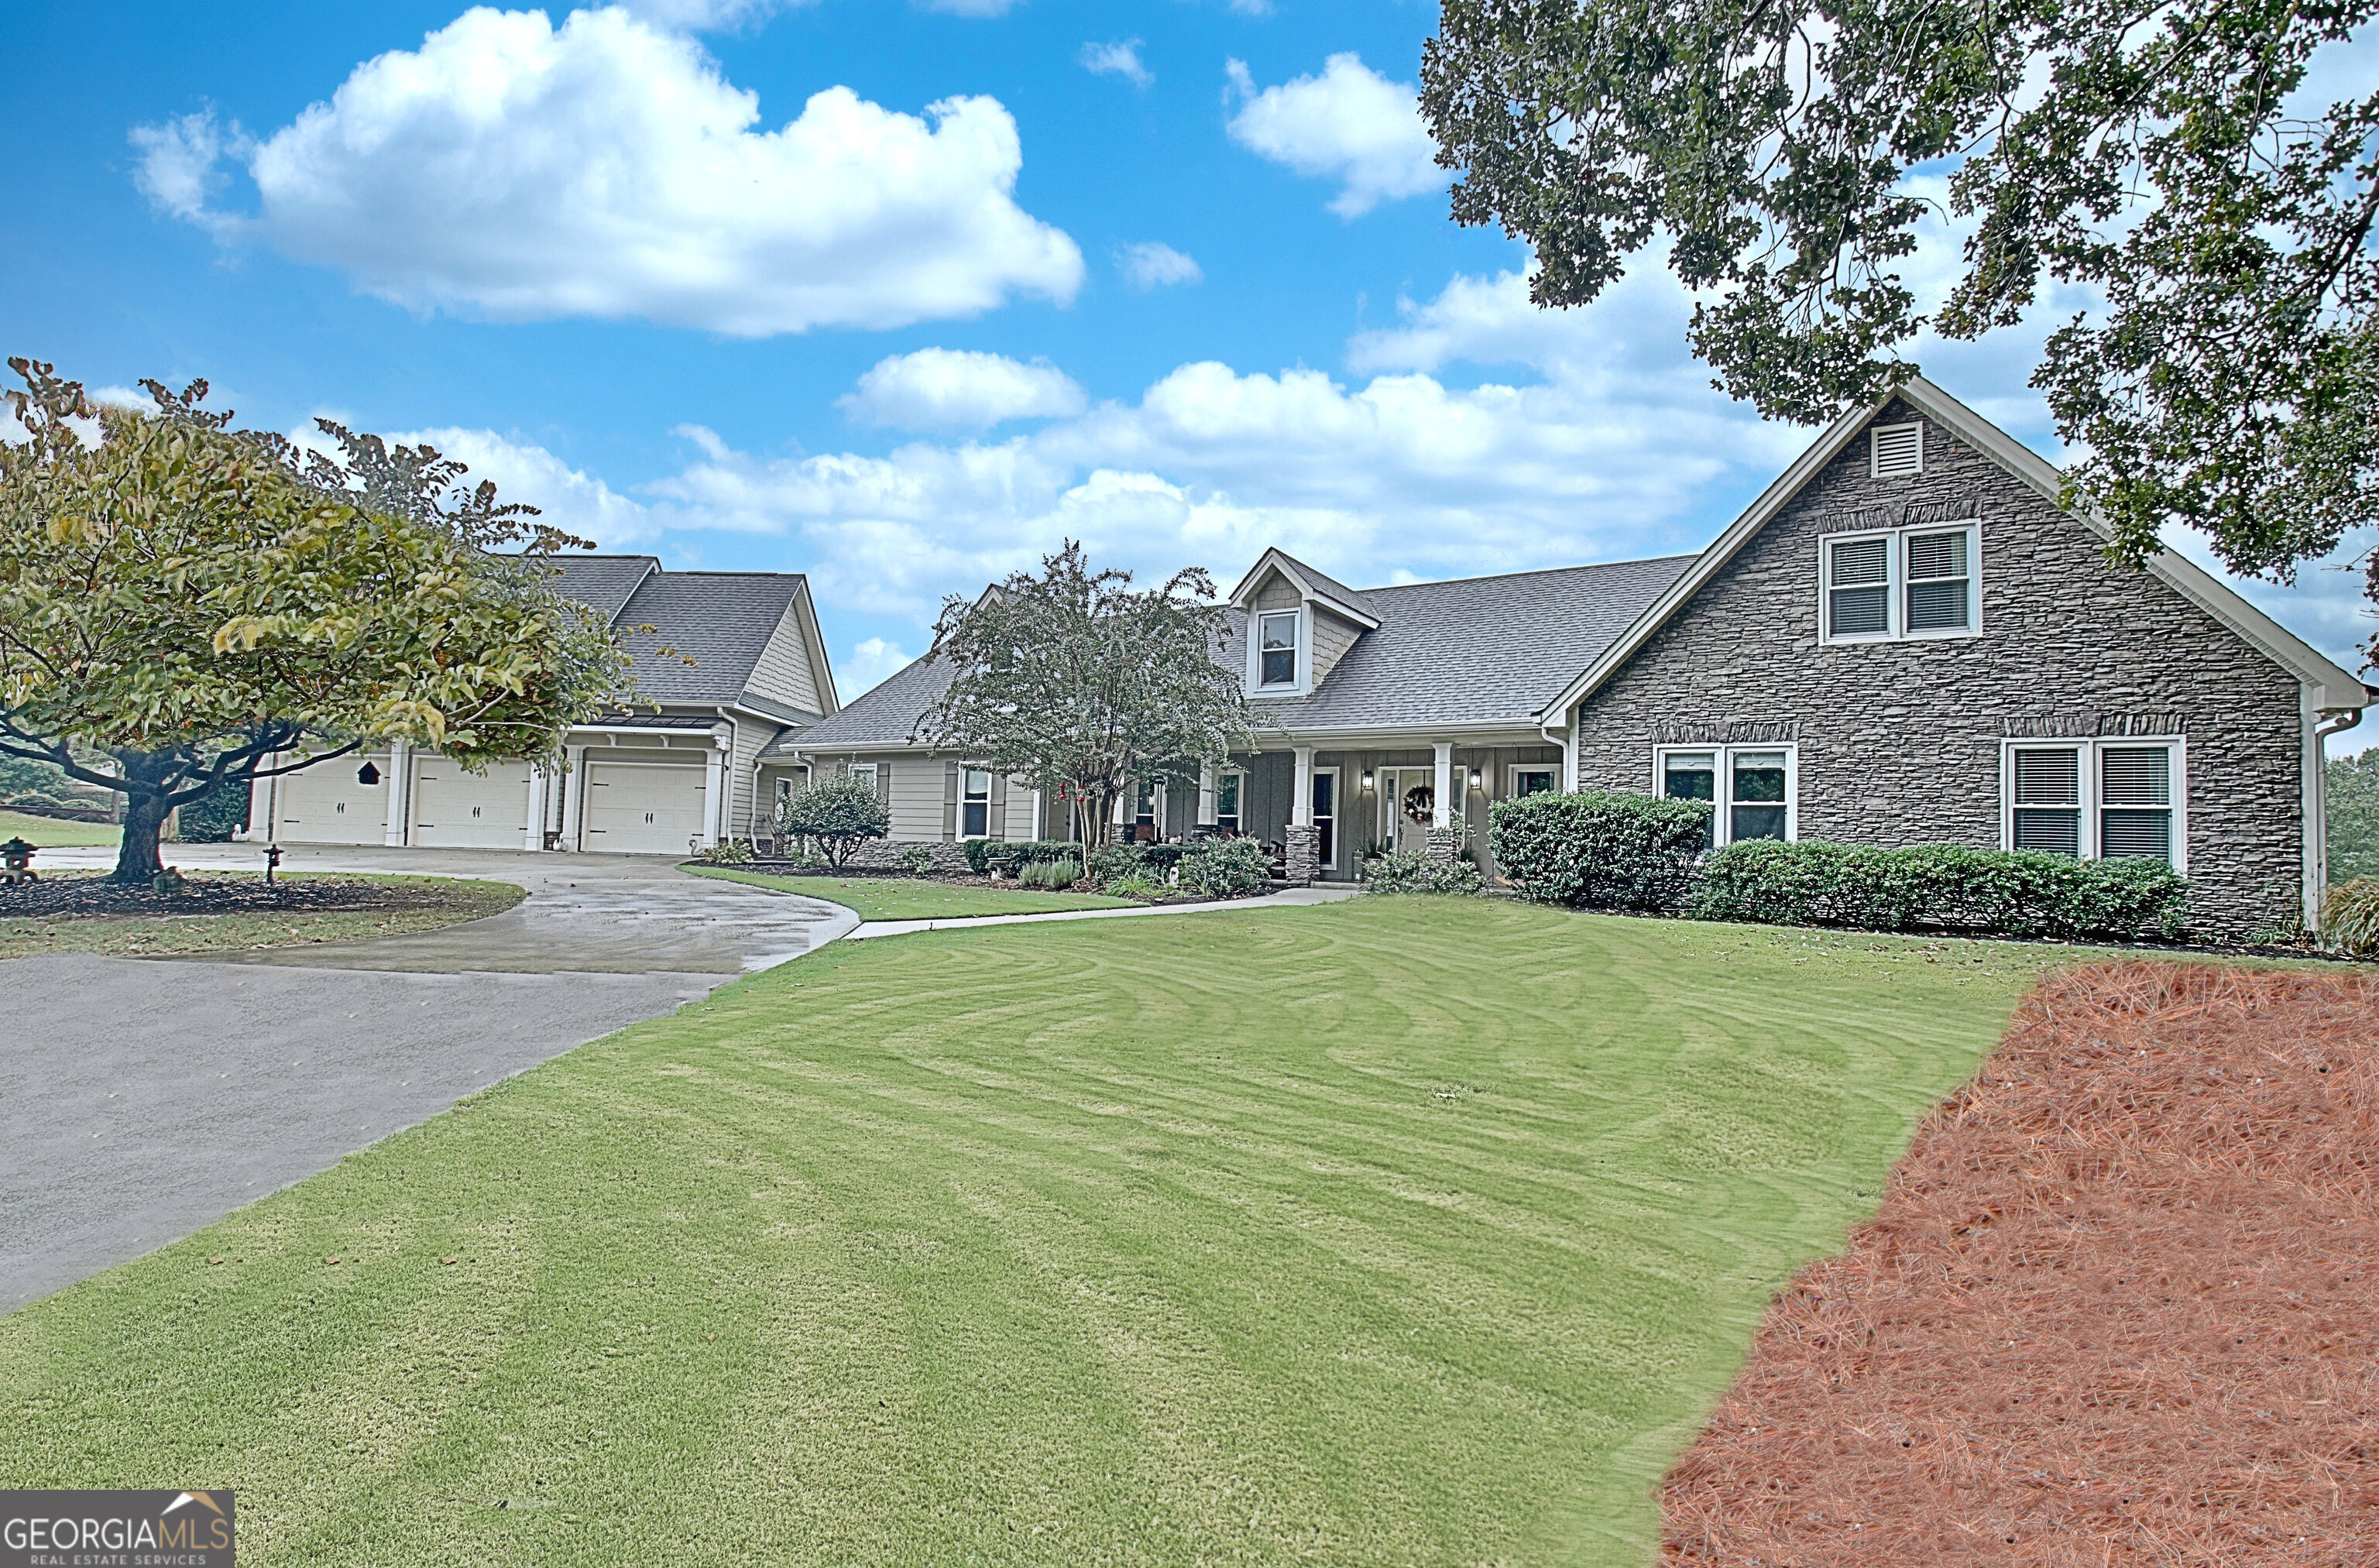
2353	790
1082	687
837	813
2230	381
195	602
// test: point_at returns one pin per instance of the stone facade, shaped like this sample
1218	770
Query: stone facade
1304	854
888	854
1898	743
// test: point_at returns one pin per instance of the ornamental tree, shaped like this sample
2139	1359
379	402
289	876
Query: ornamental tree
1082	687
2152	154
839	814
196	603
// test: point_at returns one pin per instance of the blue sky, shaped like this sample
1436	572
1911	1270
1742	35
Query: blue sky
895	293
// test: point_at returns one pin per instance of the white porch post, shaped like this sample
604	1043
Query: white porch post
1207	808
1040	806
400	792
1300	805
573	787
1444	804
1159	803
540	806
714	788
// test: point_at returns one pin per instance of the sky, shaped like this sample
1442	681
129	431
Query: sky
896	293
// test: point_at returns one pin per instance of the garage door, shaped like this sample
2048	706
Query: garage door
328	802
644	808
455	810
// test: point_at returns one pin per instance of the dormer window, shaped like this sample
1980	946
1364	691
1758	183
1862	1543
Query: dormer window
1276	632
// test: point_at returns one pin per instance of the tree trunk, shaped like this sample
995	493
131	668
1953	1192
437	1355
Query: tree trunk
144	820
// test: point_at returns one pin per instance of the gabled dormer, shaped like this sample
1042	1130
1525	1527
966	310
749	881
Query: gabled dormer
1299	624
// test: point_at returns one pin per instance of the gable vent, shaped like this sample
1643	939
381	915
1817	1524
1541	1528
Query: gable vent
1897	450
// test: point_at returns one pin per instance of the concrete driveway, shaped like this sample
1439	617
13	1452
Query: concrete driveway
141	1099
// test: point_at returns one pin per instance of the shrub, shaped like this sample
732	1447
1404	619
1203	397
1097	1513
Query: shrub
1603	850
1139	884
1406	871
2349	916
1225	869
917	857
213	817
1118	862
1051	875
1943	887
837	813
727	852
981	852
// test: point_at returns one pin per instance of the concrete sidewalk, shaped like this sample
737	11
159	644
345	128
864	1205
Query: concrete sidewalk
1293	897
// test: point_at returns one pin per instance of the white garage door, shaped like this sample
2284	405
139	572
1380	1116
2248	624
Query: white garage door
328	802
644	808
455	810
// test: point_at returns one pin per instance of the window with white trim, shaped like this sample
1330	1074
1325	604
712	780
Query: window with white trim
1230	789
1901	583
975	803
2097	800
1753	790
863	773
1526	781
1896	451
1277	643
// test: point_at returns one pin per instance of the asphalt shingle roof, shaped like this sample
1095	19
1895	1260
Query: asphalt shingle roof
720	620
603	583
1475	650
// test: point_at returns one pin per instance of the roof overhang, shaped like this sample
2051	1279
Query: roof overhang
2336	690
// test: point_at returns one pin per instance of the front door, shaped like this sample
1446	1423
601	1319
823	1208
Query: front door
1407	796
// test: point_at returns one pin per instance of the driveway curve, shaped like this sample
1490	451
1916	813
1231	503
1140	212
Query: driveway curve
141	1099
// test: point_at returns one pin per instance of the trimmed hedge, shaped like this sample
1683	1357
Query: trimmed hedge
1407	871
1941	887
1225	869
213	817
1603	850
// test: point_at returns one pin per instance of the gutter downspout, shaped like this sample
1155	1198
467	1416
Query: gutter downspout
1565	737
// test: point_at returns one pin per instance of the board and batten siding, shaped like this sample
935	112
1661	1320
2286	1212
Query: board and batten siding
786	671
1898	743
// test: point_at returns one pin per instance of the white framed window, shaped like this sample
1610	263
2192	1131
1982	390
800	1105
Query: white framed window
1230	790
1325	815
1754	790
1532	778
863	773
1278	635
2101	799
974	802
1901	584
1895	451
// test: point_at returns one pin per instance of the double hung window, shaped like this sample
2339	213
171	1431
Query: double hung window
1277	641
1229	788
2099	798
1904	583
975	803
1750	789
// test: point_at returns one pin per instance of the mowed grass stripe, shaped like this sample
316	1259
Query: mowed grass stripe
1405	1231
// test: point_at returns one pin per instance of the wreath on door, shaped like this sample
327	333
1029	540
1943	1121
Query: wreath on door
1418	801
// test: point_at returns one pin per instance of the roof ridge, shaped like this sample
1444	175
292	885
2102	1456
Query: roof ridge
1536	572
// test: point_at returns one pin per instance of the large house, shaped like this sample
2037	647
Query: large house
1904	640
676	774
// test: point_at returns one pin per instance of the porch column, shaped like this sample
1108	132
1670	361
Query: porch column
1206	798
1300	804
714	780
540	806
574	786
1302	841
1444	804
1160	807
400	787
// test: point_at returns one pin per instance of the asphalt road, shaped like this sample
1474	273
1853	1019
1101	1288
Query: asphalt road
142	1098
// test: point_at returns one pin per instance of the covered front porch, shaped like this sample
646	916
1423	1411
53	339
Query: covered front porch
1326	808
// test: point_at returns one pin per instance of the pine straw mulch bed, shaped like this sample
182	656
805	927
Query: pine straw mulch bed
63	895
2120	1306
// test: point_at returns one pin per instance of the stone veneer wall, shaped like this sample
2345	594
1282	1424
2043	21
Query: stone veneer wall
1898	743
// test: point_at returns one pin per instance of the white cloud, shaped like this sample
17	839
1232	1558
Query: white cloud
1149	265
704	16
1349	123
941	388
606	169
568	498
871	659
1117	59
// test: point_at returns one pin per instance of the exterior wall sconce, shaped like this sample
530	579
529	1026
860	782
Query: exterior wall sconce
1474	778
1367	783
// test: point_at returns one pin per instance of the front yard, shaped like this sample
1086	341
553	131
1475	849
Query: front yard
1402	1231
917	898
232	911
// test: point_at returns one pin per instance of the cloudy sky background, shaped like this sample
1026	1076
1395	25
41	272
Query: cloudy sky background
899	294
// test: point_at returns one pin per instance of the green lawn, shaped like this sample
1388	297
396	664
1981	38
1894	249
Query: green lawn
1398	1231
446	901
52	833
890	898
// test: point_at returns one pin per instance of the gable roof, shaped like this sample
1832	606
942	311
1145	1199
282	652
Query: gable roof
2338	691
603	583
1356	607
886	713
720	620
